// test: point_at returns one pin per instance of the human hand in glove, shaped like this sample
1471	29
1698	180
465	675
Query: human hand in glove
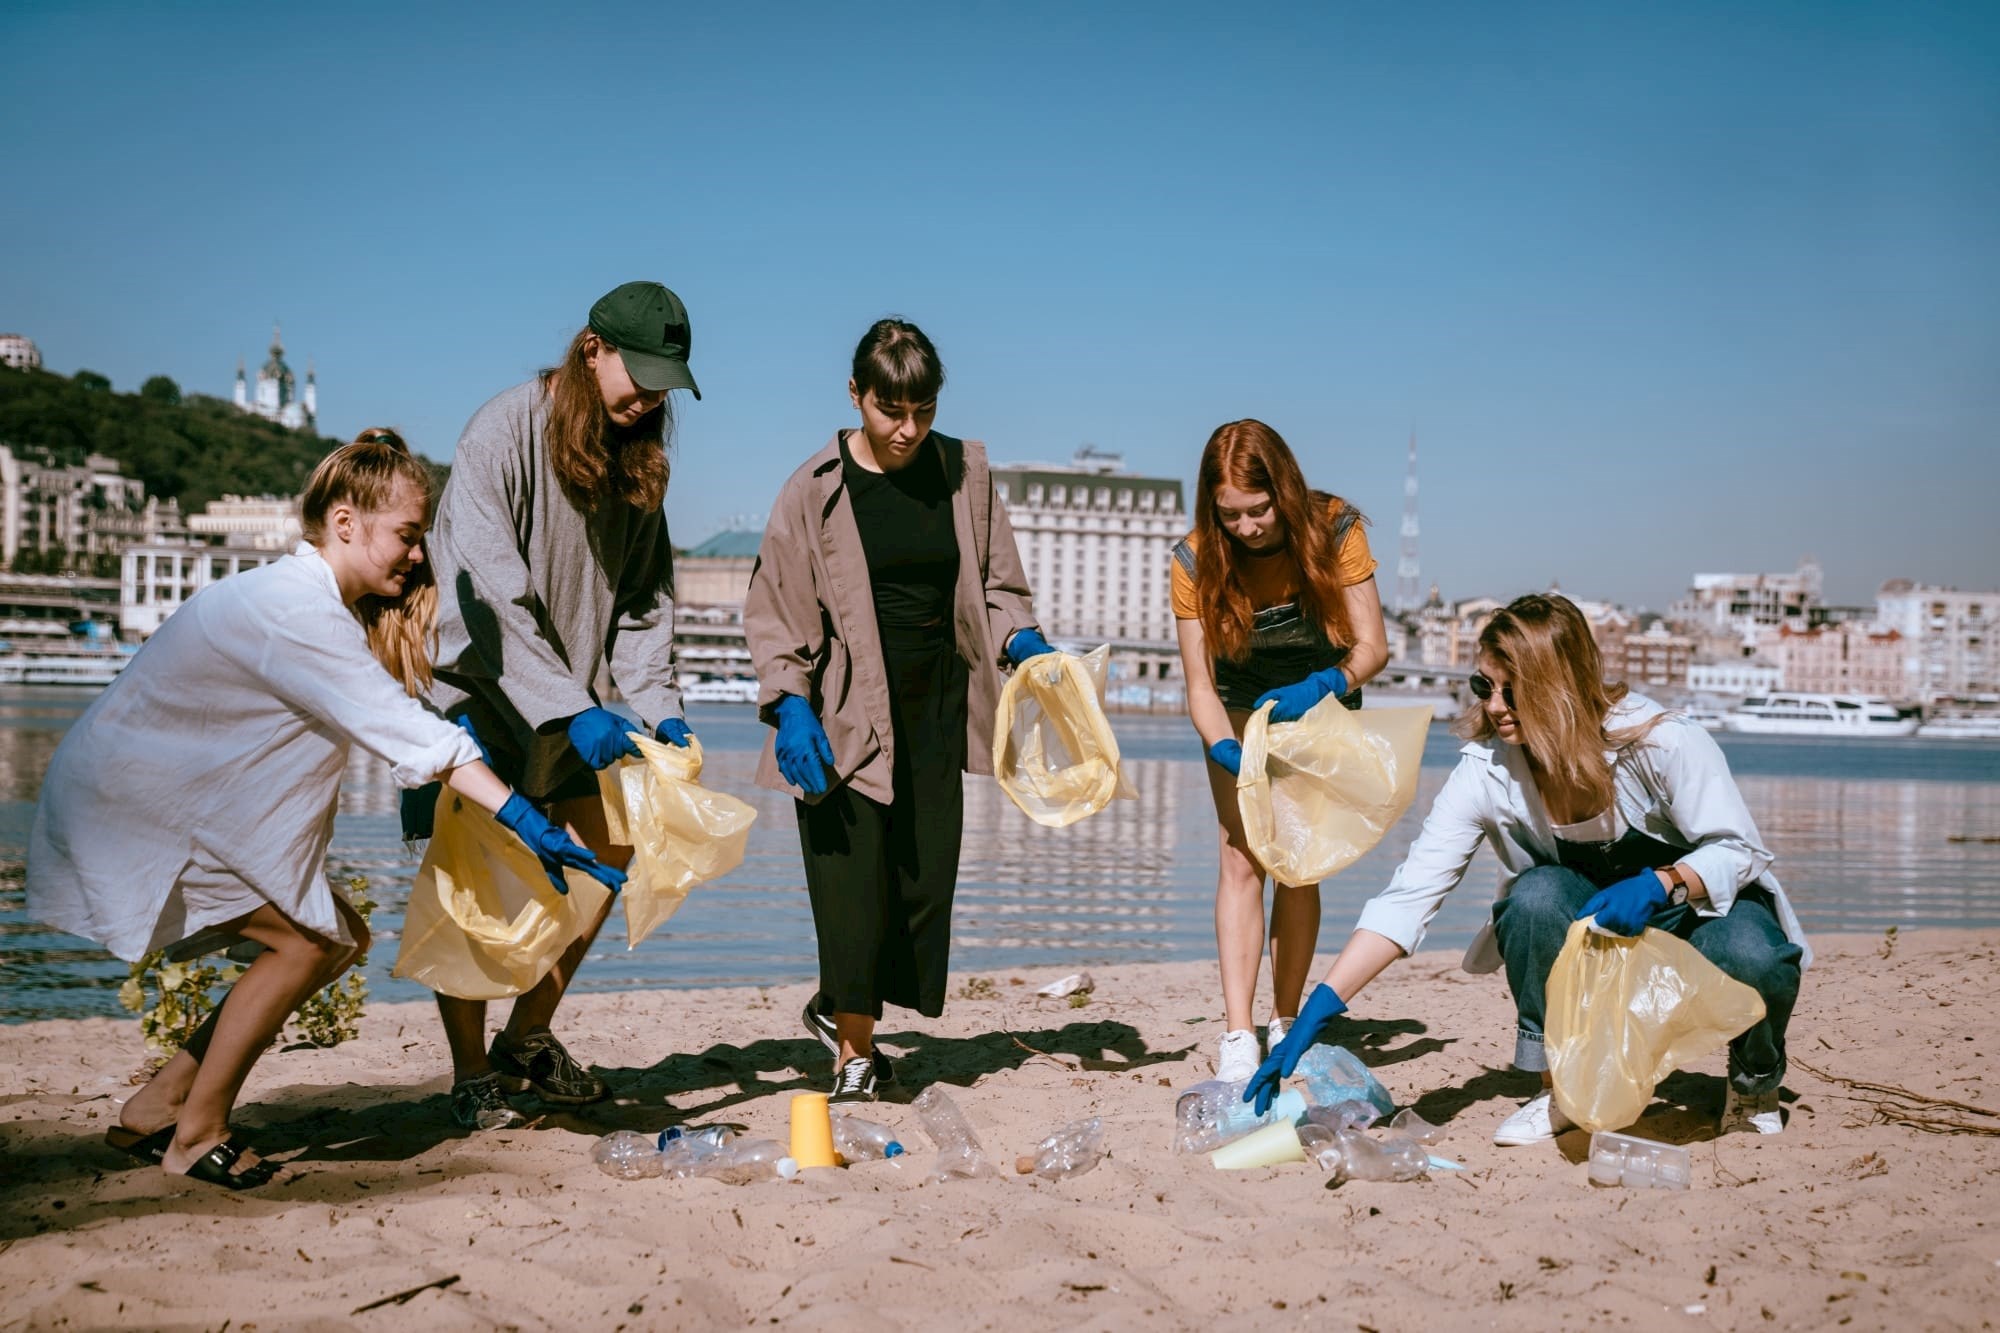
1027	643
1228	752
804	753
1292	702
1626	907
553	846
675	731
1320	1008
599	736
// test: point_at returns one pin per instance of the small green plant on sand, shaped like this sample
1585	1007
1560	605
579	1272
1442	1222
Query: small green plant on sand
174	999
978	988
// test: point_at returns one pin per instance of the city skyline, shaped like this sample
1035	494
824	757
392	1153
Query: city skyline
1659	293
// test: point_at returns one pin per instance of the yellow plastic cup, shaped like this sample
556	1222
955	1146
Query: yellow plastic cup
812	1131
1266	1147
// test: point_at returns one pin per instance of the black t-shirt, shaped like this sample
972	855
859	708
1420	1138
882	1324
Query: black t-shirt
907	535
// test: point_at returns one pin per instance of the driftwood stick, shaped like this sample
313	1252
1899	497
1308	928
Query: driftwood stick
402	1297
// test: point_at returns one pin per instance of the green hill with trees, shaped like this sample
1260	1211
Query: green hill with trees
189	448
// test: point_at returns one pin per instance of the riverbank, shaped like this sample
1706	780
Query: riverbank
1840	1218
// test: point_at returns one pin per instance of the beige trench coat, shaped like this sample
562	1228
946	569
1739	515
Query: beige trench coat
810	617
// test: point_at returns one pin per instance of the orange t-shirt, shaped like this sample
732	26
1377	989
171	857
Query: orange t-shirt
1274	580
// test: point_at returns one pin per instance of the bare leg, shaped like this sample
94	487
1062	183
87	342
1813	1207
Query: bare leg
857	1035
536	1008
1239	902
1294	937
293	965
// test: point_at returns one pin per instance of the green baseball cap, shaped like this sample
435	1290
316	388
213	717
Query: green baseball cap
649	327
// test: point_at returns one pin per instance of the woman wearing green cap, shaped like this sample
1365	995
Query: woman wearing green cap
887	596
553	568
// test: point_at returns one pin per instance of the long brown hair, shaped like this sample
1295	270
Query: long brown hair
402	630
1557	675
596	458
1250	456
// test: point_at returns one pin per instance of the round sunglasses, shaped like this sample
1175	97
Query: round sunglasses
1482	689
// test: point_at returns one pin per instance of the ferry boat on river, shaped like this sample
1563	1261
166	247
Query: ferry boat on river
1791	713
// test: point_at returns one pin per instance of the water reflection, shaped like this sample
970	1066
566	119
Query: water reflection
1861	832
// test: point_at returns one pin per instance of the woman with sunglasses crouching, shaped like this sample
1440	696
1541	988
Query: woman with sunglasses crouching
1600	804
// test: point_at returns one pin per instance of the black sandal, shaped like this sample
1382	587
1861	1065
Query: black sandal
151	1148
214	1167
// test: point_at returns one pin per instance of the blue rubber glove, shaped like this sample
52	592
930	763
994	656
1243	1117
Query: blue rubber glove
599	736
1626	907
675	731
1229	753
554	847
1027	643
1293	702
804	753
1320	1008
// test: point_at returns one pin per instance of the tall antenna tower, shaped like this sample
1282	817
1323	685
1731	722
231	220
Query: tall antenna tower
1409	582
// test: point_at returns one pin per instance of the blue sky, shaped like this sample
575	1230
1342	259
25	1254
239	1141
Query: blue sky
1660	289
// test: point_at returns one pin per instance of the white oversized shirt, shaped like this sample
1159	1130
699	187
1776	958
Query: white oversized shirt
225	736
1674	786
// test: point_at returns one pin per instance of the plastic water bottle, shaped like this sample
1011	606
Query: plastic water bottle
1070	1151
1333	1074
1344	1115
959	1153
713	1135
1397	1157
861	1140
1212	1113
627	1155
740	1161
1410	1123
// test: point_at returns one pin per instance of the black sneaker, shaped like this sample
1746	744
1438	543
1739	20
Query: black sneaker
541	1065
853	1082
478	1103
819	1022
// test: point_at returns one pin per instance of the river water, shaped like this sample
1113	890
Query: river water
1868	835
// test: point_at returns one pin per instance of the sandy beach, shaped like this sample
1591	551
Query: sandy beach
1851	1218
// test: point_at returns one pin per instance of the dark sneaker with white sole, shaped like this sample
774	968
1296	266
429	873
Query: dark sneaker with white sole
819	1022
853	1082
540	1065
479	1103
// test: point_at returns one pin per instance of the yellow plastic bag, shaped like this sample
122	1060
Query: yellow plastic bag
483	921
680	832
1317	794
1624	1013
1053	751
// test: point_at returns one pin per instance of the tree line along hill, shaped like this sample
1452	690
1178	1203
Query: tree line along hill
190	448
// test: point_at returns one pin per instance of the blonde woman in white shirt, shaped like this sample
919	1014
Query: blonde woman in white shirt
1600	804
190	806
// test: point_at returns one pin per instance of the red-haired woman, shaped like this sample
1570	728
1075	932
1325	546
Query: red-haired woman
1274	599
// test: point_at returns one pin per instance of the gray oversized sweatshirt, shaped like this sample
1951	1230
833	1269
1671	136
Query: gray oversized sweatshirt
537	593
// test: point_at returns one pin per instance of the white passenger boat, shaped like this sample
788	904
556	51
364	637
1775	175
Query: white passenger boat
91	670
1789	713
720	692
1973	727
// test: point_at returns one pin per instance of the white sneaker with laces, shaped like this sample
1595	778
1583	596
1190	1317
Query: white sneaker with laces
1537	1122
1760	1113
1237	1057
1275	1031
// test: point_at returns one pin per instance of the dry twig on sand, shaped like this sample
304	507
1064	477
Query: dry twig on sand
1894	1105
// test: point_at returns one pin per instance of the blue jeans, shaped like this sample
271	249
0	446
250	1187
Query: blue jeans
1532	921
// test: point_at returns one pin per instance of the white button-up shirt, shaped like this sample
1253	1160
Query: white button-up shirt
227	735
1674	786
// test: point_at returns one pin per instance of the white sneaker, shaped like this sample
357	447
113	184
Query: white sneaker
1760	1113
1274	1032
1237	1057
1537	1122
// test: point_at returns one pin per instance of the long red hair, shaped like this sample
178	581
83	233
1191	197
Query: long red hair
1250	456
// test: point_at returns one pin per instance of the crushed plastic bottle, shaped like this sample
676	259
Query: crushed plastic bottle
1397	1157
741	1161
713	1135
1212	1113
1349	1114
1636	1163
861	1140
1410	1123
1334	1074
626	1154
1070	1151
959	1153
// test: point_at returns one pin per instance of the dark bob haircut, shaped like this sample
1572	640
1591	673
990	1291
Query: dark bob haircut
897	361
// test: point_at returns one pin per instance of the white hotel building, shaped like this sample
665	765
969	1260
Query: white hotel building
1097	542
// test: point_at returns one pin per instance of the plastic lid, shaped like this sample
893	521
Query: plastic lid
787	1168
893	1150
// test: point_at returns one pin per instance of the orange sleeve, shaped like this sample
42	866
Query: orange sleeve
1357	564
1181	584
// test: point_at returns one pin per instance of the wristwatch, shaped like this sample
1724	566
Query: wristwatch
1677	889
